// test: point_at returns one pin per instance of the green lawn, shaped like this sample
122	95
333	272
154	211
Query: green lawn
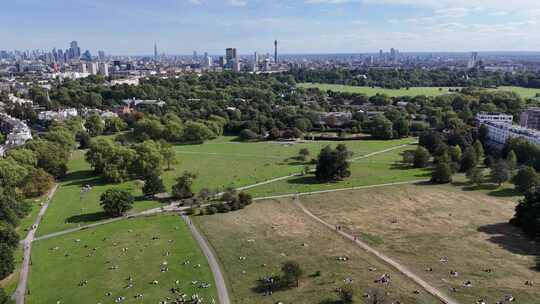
369	91
219	164
60	264
378	169
413	91
225	163
69	209
271	233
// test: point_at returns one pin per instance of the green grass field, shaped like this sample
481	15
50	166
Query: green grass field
419	224
413	91
271	233
226	163
369	91
378	169
219	164
60	264
68	209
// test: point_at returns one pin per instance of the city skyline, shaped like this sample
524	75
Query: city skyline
301	26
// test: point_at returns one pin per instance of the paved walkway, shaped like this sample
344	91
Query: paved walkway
20	292
399	267
221	287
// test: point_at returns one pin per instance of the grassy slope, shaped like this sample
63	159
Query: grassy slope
418	225
378	169
413	91
225	163
55	277
69	209
273	232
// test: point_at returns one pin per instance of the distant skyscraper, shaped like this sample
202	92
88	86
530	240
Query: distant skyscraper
87	56
230	54
101	55
93	68
195	56
156	55
275	52
104	69
74	50
473	61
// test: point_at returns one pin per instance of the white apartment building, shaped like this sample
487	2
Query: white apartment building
494	117
500	132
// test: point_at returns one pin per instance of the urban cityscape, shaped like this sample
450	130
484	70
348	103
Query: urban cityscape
274	152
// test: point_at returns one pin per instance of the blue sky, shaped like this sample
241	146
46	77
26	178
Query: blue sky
301	26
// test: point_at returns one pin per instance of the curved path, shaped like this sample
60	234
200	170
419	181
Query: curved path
20	292
399	267
221	287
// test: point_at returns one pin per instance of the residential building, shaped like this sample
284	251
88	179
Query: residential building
500	132
494	117
530	118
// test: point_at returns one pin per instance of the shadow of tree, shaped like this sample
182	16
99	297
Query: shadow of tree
89	217
513	239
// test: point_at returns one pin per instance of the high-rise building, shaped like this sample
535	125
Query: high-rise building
93	68
87	56
101	55
275	51
195	56
104	69
82	67
230	54
74	50
156	55
473	61
530	118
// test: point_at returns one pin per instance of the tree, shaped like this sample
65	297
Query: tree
421	157
94	125
63	137
244	199
303	124
7	262
182	188
51	156
169	156
332	164
468	160
479	150
346	294
153	185
149	159
526	179
475	176
4	298
25	157
527	215
11	173
401	128
114	125
455	153
381	128
292	272
511	160
247	135
116	202
37	183
8	235
500	172
197	132
303	154
442	174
